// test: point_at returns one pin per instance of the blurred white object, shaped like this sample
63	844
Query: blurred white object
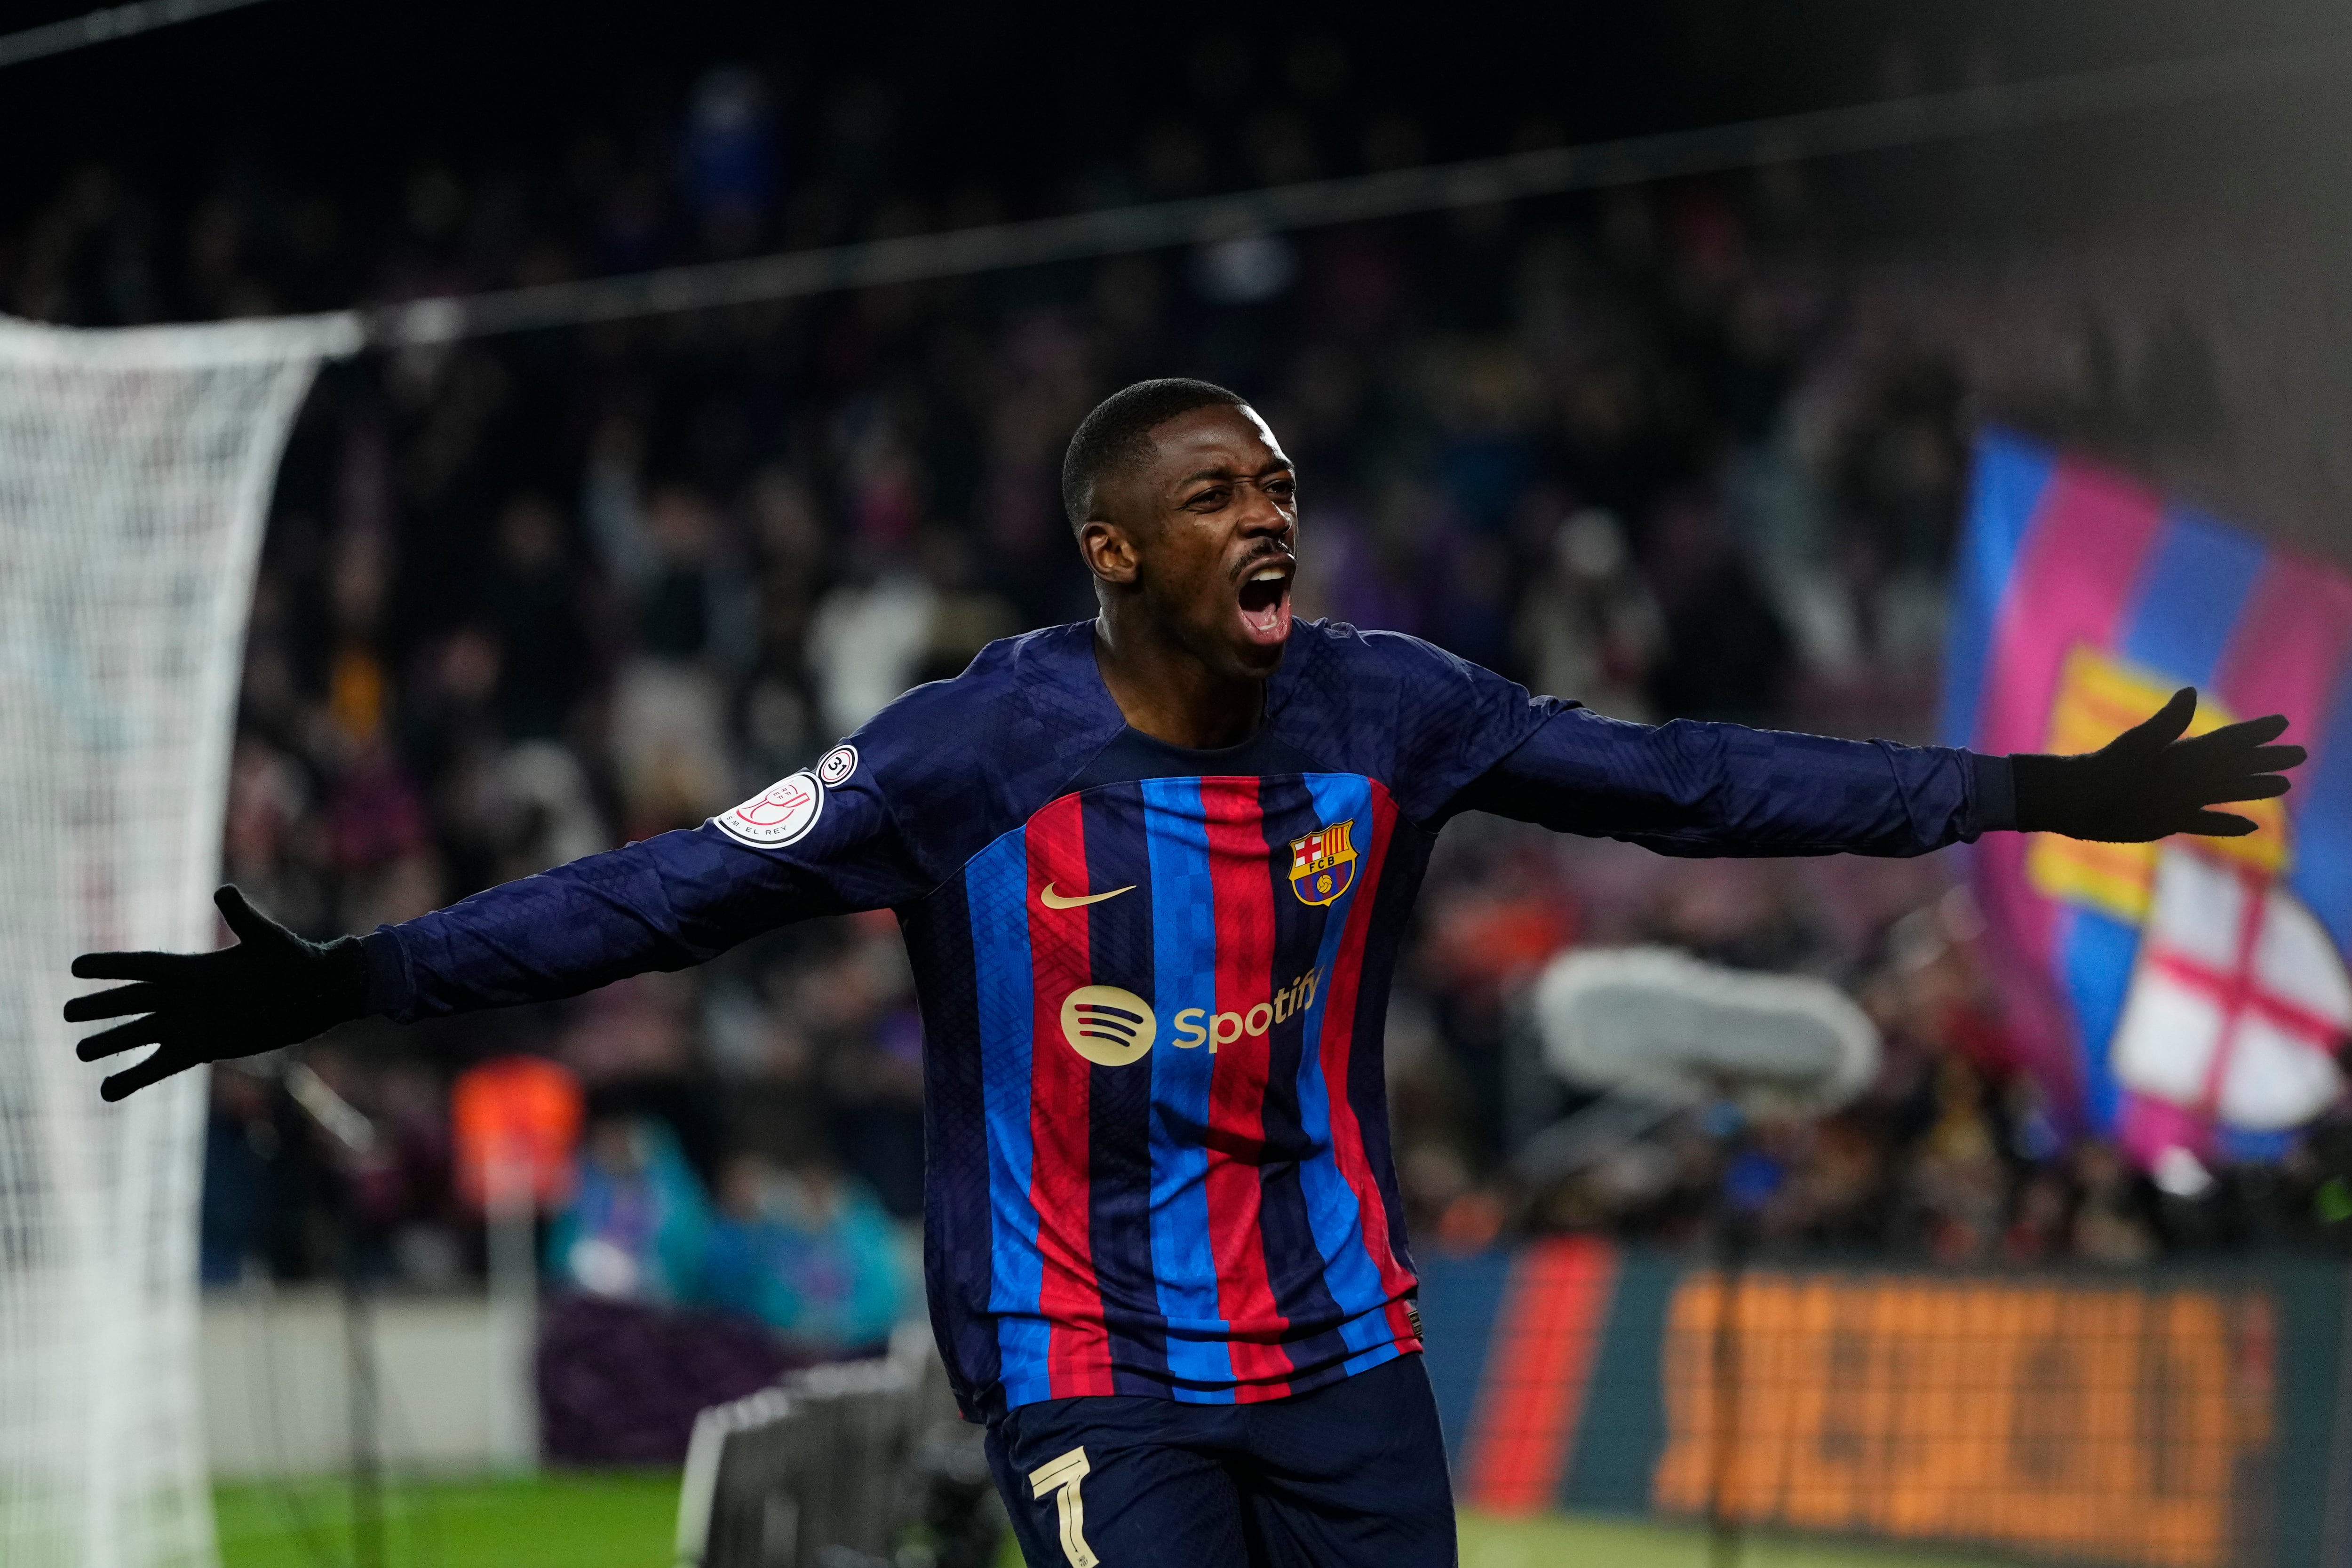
135	468
865	644
538	796
669	737
1657	1023
2239	999
1246	268
2182	1173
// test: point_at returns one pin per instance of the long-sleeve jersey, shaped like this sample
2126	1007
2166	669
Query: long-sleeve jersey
1153	980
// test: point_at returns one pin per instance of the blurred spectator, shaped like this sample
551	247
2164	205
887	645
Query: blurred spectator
868	639
637	1028
1590	626
531	597
2109	1223
241	1146
1957	1176
638	1222
1726	657
730	158
668	719
807	1251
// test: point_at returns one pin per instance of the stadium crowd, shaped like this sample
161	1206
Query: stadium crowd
526	598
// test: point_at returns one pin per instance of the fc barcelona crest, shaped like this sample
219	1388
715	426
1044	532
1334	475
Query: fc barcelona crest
1323	864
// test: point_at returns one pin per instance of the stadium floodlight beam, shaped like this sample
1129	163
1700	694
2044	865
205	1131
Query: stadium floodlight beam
103	27
1714	148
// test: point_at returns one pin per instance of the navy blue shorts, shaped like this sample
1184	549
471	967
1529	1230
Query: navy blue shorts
1351	1475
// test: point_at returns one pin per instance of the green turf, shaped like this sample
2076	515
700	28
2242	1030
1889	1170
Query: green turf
1560	1541
608	1519
568	1520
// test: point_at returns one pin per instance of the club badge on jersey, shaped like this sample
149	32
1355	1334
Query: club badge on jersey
1323	863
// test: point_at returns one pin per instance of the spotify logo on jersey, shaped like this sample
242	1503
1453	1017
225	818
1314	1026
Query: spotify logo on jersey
1108	1026
1112	1026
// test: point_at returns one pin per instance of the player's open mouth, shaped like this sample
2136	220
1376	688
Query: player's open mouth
1266	602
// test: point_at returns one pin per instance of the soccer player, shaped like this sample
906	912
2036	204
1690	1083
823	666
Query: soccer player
1153	870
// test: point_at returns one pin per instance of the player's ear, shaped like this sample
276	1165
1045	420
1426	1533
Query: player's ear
1110	551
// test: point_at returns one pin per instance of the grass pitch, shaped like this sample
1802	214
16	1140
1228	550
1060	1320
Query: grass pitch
1563	1540
562	1520
626	1519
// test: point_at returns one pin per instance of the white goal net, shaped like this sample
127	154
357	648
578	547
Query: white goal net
135	469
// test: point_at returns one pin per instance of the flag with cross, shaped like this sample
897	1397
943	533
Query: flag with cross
2188	997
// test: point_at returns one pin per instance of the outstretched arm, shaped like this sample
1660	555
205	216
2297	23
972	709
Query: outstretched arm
665	902
1685	788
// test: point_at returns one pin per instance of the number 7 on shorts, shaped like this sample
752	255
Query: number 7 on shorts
1062	1476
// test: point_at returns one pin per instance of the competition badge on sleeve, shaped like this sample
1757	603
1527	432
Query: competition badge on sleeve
1323	864
780	814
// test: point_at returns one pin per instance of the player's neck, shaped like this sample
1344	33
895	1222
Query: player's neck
1165	690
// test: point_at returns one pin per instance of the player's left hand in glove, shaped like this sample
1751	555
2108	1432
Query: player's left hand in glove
271	989
2148	783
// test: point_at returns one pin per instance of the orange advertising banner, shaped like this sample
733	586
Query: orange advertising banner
2107	1424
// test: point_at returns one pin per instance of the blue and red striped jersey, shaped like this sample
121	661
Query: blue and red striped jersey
1153	980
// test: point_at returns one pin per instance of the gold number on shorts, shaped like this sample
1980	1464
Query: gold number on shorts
1062	1477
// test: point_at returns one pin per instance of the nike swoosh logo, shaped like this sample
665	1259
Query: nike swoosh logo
1054	900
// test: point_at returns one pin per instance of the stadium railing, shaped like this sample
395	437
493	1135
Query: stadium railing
840	1467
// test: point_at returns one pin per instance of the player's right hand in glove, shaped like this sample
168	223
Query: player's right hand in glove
271	989
2148	783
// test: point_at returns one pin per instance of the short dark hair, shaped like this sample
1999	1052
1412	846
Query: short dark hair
1114	434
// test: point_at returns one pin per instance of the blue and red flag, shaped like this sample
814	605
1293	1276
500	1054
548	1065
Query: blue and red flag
2187	995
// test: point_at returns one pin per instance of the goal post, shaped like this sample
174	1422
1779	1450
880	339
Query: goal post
135	473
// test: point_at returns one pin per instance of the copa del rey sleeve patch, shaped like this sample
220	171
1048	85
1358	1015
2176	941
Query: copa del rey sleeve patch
781	814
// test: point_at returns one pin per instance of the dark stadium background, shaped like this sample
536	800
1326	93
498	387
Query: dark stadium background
1559	435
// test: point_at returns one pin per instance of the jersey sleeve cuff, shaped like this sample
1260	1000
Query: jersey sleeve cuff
390	991
1996	782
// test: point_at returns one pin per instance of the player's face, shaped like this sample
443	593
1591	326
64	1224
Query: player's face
1207	531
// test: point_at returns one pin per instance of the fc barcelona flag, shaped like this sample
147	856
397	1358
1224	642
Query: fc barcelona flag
2187	996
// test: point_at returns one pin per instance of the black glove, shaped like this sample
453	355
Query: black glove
2148	782
271	989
